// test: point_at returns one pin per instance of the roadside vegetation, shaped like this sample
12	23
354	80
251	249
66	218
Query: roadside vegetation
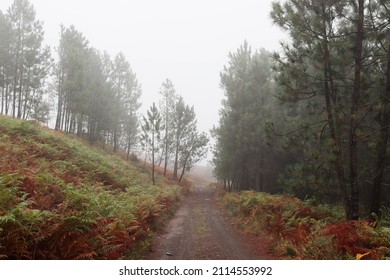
61	199
299	229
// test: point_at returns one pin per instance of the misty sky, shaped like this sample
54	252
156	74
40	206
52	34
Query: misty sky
185	41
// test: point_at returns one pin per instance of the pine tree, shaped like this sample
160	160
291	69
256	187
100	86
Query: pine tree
183	121
70	75
332	62
127	92
241	137
167	108
194	149
152	128
31	61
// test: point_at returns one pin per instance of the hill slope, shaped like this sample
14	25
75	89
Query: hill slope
61	199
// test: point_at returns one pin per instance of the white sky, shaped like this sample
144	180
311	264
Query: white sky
186	41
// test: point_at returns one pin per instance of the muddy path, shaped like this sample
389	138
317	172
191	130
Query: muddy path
200	230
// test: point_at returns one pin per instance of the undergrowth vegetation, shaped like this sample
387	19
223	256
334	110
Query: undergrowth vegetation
61	199
298	230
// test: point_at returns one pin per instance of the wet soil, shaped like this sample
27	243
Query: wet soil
201	230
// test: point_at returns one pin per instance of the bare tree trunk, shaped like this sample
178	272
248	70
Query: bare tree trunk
353	165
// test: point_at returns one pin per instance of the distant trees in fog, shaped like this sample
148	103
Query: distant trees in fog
25	63
96	97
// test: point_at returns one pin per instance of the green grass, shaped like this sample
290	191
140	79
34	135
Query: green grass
63	199
298	230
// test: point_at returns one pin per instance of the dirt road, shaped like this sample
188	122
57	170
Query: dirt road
200	230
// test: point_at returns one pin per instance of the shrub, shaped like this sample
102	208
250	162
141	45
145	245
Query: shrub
298	230
60	199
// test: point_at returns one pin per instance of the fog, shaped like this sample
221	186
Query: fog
185	41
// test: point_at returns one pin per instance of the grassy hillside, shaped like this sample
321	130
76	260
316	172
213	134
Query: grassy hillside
298	230
61	199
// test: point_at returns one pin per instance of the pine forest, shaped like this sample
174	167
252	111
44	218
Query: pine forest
299	152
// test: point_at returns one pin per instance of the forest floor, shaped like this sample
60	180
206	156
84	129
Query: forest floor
200	229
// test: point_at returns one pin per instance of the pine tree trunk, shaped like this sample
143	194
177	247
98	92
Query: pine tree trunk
166	159
16	70
62	127
353	165
14	87
166	140
26	97
153	159
2	99
59	103
182	171
185	165
329	97
128	144
20	90
59	111
3	77
116	135
6	99
79	122
176	160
